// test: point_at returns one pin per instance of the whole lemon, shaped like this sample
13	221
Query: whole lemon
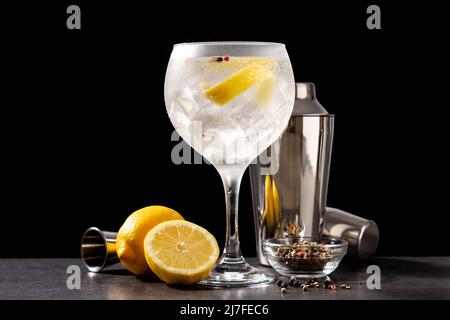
130	238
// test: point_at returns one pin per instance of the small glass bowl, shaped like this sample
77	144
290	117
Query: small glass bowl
308	260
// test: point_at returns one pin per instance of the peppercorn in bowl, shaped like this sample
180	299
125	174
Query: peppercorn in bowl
304	257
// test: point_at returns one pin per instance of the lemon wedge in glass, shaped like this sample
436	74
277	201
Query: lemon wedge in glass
254	71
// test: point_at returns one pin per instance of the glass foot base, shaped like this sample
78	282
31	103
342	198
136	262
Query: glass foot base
228	274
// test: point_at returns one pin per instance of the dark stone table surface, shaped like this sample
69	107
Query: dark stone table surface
401	278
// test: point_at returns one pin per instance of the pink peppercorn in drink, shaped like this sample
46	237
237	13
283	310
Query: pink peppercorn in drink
230	101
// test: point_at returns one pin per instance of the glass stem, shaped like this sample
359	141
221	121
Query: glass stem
232	181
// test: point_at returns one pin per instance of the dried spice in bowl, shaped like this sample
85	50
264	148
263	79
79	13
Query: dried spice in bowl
304	255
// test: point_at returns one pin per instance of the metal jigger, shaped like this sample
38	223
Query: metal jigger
98	249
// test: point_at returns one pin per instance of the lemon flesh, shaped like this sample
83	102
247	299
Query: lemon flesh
252	73
265	91
180	252
130	238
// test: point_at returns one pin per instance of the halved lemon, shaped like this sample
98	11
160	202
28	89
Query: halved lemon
252	73
180	252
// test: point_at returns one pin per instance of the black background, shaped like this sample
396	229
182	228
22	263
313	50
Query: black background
86	140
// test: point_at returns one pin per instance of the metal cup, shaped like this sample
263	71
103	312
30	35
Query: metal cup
98	249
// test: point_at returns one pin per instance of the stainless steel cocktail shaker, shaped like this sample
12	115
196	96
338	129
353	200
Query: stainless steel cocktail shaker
290	181
290	190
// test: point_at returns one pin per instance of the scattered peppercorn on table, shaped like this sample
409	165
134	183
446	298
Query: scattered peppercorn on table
401	278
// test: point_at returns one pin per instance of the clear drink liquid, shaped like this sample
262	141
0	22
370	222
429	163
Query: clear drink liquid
235	131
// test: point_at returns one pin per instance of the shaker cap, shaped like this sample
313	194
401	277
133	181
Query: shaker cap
361	234
306	101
